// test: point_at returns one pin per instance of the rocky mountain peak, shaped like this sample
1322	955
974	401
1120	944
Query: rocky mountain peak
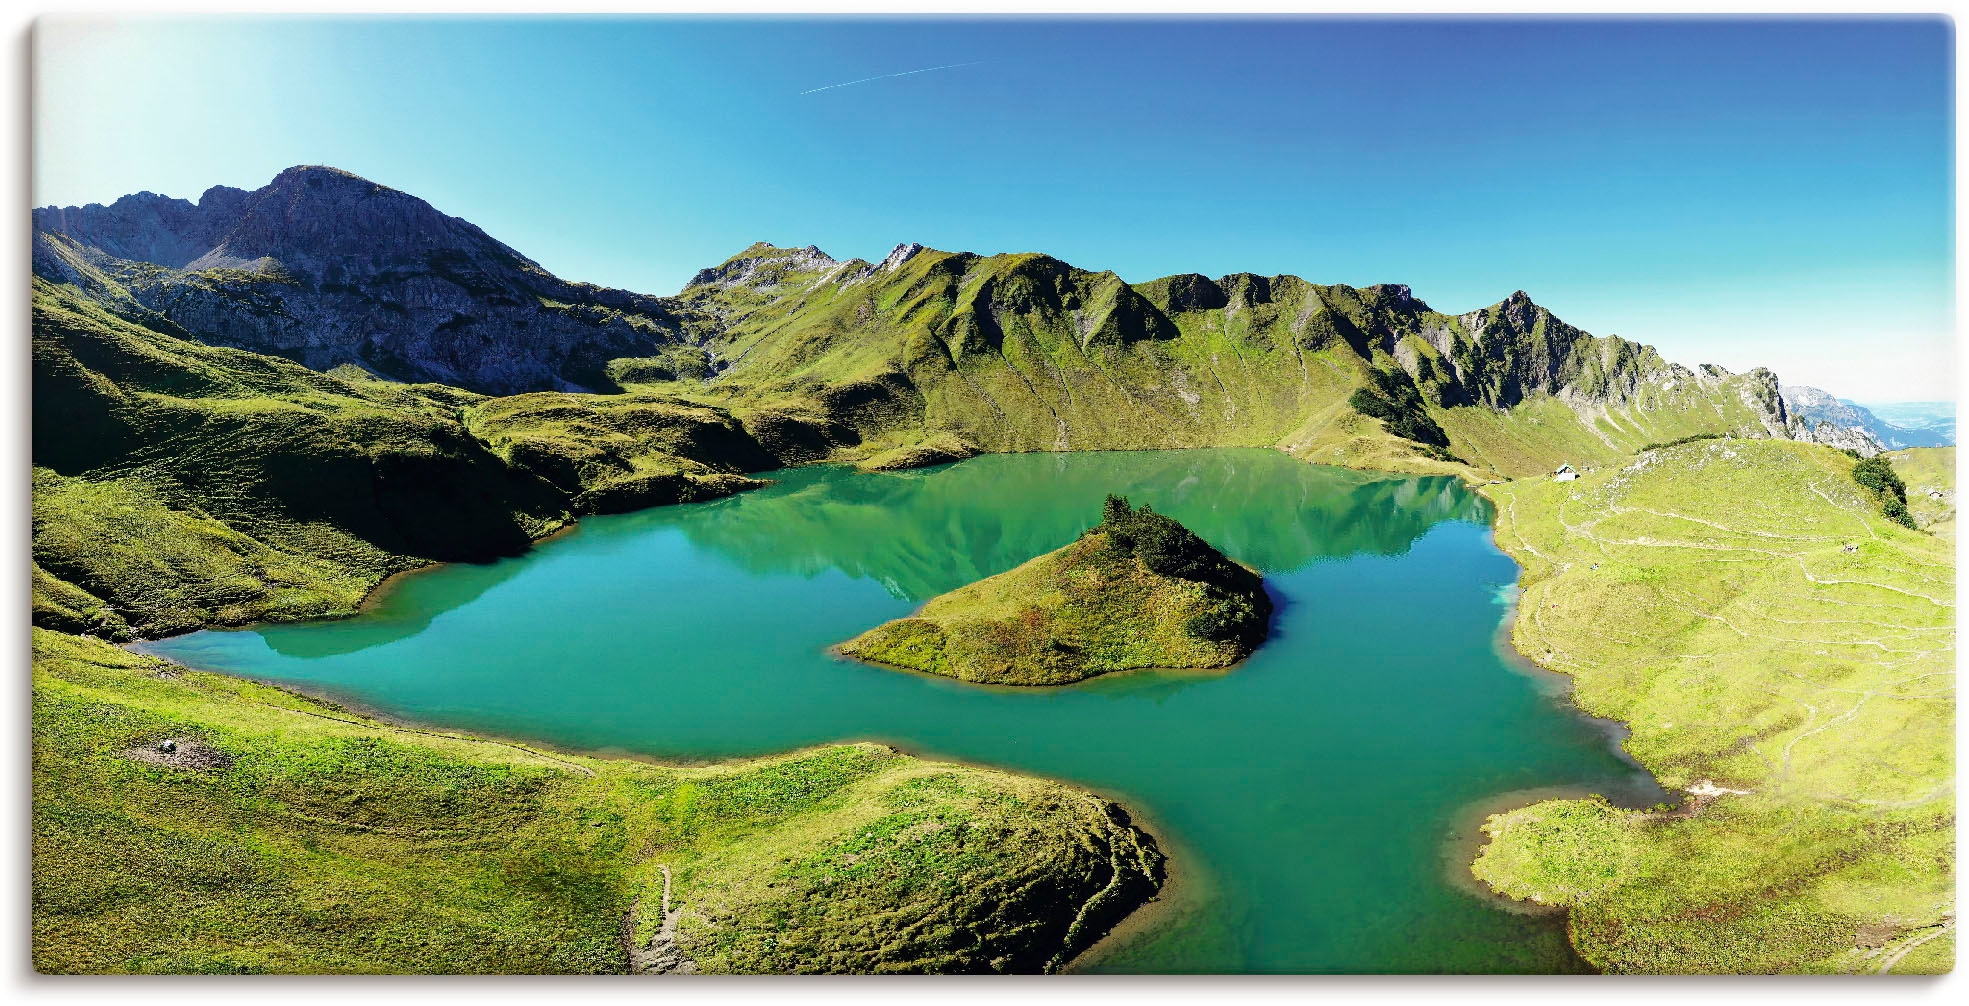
1393	295
142	227
899	255
326	267
763	266
319	221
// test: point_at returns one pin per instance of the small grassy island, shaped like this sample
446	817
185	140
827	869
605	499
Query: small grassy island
1136	590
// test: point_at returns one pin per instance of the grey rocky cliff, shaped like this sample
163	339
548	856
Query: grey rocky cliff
326	268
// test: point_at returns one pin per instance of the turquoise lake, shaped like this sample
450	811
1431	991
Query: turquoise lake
1319	801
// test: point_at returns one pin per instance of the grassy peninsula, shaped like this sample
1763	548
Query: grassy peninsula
1783	653
1136	590
284	834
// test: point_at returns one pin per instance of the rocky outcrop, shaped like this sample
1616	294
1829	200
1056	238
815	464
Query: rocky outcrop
326	268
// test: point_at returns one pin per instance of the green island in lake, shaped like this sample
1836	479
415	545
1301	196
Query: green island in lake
1136	590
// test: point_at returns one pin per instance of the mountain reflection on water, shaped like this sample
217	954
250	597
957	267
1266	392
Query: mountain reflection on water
923	533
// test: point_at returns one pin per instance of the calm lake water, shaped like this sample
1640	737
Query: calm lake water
1318	799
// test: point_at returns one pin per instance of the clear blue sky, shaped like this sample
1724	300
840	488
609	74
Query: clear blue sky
1735	192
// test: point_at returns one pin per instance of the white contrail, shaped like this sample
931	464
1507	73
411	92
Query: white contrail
885	76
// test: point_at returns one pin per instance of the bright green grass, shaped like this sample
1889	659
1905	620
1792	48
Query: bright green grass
1929	470
614	453
1542	433
1744	608
162	570
934	449
1089	608
184	485
331	842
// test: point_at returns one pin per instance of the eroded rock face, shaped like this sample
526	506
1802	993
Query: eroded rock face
325	268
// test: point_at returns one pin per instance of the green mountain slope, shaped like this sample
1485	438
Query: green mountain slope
1025	352
1782	652
1929	473
179	485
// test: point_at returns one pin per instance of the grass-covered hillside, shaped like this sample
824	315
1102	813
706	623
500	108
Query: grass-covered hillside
1783	653
1025	352
1137	590
283	834
617	453
1928	473
179	485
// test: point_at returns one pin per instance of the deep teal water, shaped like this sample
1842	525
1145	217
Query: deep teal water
1318	799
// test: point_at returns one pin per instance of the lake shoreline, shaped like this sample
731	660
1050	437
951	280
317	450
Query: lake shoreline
1138	921
1144	918
1468	838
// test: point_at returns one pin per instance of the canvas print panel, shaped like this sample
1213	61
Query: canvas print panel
1196	515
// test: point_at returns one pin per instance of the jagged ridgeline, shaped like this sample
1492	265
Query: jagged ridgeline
923	357
1025	352
1136	590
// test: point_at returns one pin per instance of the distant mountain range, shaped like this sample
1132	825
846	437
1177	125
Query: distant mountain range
1936	417
1930	424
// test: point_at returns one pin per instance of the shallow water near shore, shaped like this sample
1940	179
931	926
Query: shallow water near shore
1310	793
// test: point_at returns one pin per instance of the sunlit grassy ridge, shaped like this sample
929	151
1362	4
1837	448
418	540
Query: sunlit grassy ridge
1137	590
1782	651
1025	352
617	453
287	835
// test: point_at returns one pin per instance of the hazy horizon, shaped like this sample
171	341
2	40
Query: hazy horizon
1747	193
